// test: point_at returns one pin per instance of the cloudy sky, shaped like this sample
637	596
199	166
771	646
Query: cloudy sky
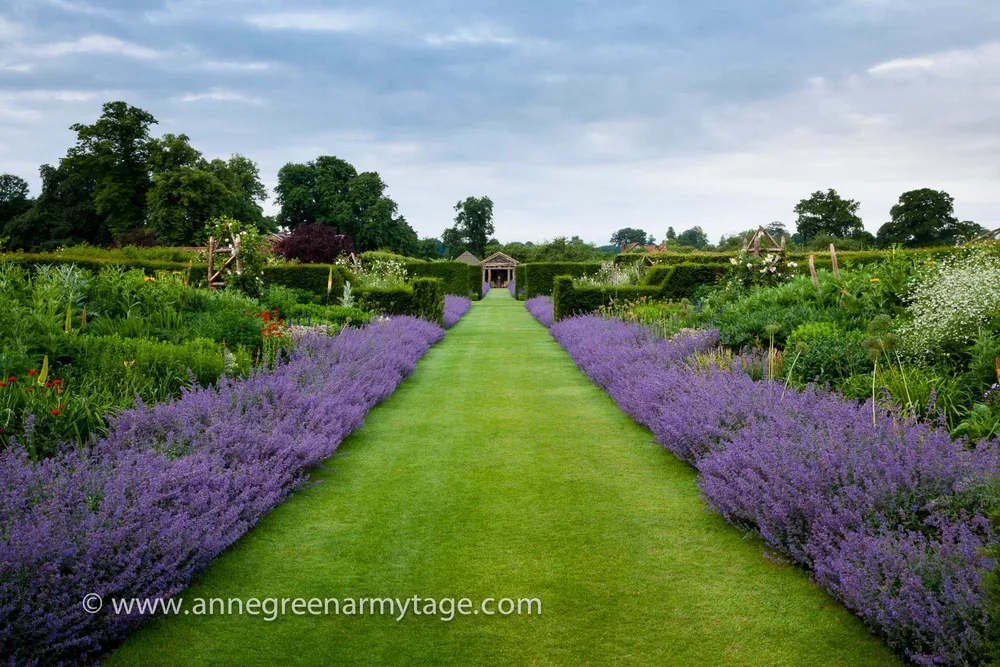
575	117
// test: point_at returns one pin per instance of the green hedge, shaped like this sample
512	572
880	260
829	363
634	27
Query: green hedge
569	299
423	298
94	264
311	277
539	277
475	281
454	274
520	280
844	258
680	281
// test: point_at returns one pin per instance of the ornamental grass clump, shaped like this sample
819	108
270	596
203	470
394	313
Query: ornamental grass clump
889	513
454	308
951	300
176	483
541	309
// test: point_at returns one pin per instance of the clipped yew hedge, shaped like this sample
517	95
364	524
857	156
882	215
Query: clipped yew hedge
423	298
680	281
569	299
539	277
456	275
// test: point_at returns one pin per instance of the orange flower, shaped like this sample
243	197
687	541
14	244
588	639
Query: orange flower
55	413
32	372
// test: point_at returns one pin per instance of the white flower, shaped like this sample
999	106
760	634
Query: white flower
764	270
734	261
749	265
773	269
792	264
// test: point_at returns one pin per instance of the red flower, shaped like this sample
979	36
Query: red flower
57	382
49	385
54	413
32	372
3	384
12	379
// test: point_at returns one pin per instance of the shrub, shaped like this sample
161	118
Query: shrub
539	277
682	281
319	279
312	314
314	244
952	300
475	282
228	326
139	237
569	300
454	274
424	299
824	351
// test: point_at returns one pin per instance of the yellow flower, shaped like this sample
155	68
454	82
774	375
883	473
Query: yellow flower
149	279
932	262
874	280
129	364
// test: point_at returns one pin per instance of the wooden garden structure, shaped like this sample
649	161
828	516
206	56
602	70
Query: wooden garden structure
762	240
498	269
233	260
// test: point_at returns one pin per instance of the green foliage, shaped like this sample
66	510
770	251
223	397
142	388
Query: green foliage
249	279
682	281
473	227
424	298
824	351
329	190
694	238
313	314
628	235
559	249
830	214
925	217
313	278
539	278
569	299
454	274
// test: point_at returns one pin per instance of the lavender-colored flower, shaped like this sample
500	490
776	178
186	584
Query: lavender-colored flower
454	308
512	288
890	516
541	309
174	484
486	289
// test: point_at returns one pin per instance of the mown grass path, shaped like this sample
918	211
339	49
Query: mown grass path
499	470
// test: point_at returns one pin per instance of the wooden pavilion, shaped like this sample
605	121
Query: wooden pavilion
498	269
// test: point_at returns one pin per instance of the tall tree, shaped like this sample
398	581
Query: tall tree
63	214
671	234
473	225
241	177
14	199
925	217
628	235
828	213
695	238
117	148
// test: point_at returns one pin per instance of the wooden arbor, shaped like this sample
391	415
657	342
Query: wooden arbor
498	269
233	259
762	236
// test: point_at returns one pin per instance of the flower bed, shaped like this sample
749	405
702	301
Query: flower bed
454	308
174	484
486	289
890	515
540	308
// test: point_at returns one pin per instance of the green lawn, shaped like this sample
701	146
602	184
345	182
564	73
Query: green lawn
499	470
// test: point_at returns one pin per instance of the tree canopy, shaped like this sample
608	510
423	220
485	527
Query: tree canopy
627	235
828	213
925	217
473	227
330	191
694	238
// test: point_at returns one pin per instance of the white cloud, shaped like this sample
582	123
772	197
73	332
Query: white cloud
218	95
96	44
471	35
986	56
318	21
237	66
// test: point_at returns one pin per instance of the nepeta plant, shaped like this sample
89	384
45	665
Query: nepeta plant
541	309
890	514
454	308
176	483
